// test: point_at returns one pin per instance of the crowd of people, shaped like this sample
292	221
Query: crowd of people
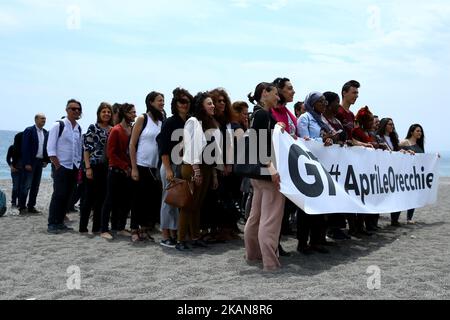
125	162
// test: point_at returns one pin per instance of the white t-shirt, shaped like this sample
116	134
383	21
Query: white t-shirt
147	154
389	142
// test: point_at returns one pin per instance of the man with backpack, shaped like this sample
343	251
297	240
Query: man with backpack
65	152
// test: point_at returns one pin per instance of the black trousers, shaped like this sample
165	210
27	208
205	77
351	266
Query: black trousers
64	181
147	194
117	203
289	209
355	222
312	227
93	198
227	197
395	216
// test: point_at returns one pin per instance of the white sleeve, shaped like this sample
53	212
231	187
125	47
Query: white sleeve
53	140
193	141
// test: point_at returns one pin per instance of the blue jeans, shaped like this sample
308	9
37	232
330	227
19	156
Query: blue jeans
29	187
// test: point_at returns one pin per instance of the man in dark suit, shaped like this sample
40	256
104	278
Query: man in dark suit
34	158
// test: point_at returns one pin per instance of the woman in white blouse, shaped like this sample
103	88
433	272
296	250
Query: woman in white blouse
201	154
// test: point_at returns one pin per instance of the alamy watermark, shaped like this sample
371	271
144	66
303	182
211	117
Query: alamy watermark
74	280
210	146
374	21
73	21
374	280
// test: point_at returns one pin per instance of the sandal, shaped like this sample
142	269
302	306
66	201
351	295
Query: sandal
135	237
145	234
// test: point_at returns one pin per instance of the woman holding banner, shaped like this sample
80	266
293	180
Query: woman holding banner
282	115
362	134
312	127
388	137
336	222
263	227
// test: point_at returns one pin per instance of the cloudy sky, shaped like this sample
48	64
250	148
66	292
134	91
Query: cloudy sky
118	51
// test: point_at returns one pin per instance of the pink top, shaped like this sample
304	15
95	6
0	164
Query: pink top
282	114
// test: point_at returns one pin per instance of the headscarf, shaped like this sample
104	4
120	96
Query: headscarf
310	100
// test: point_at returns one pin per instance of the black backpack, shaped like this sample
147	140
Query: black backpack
142	130
62	125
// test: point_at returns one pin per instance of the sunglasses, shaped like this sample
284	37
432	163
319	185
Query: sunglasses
75	109
184	101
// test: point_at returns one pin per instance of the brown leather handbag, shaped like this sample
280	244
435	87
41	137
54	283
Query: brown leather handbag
179	193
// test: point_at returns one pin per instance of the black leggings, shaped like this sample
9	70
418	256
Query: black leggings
117	202
147	193
94	197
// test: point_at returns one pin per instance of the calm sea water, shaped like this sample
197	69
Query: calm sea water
7	138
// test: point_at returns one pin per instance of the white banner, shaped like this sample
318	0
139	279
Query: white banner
323	180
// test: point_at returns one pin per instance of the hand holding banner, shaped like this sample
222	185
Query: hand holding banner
325	180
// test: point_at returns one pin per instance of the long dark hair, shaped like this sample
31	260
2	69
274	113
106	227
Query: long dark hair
151	97
208	122
421	141
215	95
393	135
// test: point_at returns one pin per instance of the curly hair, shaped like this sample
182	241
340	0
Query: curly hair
363	116
208	122
215	95
124	109
179	93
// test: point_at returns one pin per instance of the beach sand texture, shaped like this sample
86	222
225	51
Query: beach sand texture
414	263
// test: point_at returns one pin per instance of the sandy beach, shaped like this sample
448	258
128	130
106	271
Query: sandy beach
414	263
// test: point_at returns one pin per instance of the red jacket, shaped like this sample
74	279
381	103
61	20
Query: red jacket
362	136
117	148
